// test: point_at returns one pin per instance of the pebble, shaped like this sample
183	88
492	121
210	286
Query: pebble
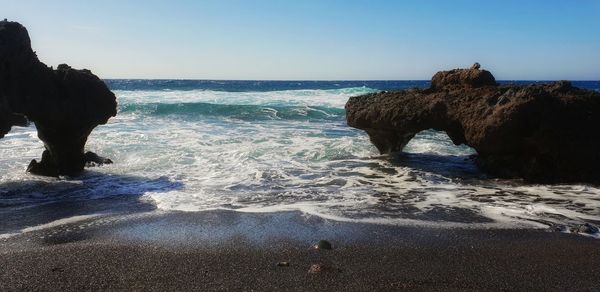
323	244
283	264
316	268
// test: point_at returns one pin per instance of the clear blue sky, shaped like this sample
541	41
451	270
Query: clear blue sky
305	39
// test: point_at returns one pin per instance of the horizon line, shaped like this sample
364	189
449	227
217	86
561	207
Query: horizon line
338	80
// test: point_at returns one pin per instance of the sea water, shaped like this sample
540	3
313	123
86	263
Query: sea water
268	146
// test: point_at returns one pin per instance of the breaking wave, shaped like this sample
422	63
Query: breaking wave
266	151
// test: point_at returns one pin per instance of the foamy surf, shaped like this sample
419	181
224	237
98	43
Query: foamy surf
269	151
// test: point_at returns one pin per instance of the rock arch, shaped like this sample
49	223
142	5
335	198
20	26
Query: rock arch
541	132
435	142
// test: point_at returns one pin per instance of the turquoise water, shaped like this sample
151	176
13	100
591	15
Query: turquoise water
267	146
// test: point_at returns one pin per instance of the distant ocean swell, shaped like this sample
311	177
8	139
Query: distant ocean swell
243	112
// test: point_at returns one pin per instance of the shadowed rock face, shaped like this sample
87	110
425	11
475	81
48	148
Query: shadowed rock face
540	132
65	104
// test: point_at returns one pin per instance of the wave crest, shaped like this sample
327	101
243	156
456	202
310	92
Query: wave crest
243	112
334	98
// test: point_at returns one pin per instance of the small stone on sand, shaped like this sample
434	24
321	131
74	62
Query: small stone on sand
323	244
316	269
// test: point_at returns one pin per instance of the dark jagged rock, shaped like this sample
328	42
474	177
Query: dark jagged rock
93	159
65	104
540	132
466	78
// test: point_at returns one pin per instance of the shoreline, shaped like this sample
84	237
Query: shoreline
217	250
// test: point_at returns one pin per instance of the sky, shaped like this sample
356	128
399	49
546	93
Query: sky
315	39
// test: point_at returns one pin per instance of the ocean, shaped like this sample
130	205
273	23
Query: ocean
269	146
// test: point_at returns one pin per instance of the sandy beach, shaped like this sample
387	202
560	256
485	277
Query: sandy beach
224	250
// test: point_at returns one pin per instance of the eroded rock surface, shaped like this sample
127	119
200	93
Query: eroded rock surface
540	132
65	104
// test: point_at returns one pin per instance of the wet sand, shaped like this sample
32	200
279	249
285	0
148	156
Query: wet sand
219	250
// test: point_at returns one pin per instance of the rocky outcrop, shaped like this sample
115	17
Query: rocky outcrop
65	104
540	132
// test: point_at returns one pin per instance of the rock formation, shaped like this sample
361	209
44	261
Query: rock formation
65	104
540	132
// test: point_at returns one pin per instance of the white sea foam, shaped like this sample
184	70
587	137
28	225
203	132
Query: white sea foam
329	98
55	223
322	168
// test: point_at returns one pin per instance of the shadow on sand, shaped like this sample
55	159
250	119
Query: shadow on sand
42	200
